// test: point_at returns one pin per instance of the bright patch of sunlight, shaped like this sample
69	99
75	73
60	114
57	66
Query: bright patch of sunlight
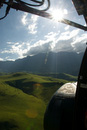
58	14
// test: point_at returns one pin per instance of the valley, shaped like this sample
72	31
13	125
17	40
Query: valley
24	98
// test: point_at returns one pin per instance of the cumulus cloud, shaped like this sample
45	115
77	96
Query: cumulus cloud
67	27
24	19
1	59
46	47
16	48
53	41
67	41
69	34
9	59
43	46
63	45
70	41
30	23
79	43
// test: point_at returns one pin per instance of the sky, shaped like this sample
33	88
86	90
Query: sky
23	34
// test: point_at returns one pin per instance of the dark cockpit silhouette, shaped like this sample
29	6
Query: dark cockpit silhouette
68	106
60	111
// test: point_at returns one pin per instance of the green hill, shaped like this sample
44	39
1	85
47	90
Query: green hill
41	87
18	110
23	99
60	76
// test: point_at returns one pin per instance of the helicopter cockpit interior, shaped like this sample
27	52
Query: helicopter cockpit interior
67	108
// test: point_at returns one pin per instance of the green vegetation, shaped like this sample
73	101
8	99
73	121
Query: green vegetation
61	76
23	100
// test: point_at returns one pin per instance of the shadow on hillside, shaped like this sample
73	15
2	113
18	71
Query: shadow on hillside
8	126
43	91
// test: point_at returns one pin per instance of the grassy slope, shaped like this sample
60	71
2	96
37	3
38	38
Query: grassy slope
61	76
23	99
39	86
19	109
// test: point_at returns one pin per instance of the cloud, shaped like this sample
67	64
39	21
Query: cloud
69	34
66	41
52	35
79	44
16	48
53	41
63	45
32	28
43	46
1	59
67	27
24	19
71	41
9	59
30	23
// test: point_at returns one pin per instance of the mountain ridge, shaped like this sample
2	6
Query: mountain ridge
61	62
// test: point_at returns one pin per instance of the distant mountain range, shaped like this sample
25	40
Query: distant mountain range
61	62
